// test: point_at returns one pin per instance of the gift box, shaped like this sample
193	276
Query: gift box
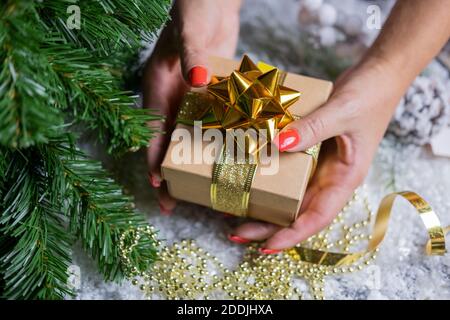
273	198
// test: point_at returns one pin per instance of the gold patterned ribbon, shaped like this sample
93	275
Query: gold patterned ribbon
231	183
251	97
436	234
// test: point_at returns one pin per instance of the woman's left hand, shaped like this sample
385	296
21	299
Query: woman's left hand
354	121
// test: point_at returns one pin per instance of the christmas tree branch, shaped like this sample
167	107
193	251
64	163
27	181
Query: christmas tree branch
50	193
102	213
94	98
30	104
35	246
118	23
27	85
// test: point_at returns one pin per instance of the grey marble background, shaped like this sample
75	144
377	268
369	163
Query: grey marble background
401	271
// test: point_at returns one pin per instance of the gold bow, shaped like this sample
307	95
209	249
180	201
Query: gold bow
252	99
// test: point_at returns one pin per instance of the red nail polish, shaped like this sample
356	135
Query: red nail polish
287	139
198	76
164	211
237	239
227	215
268	251
154	182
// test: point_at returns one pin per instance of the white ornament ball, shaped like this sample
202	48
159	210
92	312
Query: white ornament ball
312	5
327	36
327	15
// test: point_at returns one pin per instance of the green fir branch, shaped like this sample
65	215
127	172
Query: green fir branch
35	247
101	213
28	86
94	97
50	193
107	25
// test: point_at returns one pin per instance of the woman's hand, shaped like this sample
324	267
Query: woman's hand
199	28
356	117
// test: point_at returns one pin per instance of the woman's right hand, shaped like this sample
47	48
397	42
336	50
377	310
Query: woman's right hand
198	29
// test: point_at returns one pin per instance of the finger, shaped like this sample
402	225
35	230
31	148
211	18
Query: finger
255	231
154	98
163	86
323	208
194	60
326	122
166	202
155	156
193	42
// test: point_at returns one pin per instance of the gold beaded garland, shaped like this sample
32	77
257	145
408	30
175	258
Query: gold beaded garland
185	271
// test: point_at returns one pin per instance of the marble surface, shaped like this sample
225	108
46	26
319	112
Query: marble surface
401	271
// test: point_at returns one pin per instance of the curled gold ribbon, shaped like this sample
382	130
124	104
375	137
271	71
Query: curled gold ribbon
436	234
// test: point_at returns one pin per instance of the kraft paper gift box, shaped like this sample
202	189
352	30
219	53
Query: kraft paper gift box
273	198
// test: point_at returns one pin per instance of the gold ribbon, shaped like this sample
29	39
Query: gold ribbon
251	97
436	234
231	183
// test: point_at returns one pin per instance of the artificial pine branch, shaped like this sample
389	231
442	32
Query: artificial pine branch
35	246
109	24
53	195
25	114
50	193
94	97
40	75
102	213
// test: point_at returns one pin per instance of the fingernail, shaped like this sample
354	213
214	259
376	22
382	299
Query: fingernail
287	139
227	215
268	251
154	182
198	76
237	239
164	211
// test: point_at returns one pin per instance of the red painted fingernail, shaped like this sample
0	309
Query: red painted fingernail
287	139
164	211
227	215
268	251
198	76
237	239
154	182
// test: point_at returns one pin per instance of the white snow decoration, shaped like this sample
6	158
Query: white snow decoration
327	15
327	36
312	5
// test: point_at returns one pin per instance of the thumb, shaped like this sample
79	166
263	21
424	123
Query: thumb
194	60
318	126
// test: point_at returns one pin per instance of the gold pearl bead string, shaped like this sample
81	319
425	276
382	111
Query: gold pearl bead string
186	271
